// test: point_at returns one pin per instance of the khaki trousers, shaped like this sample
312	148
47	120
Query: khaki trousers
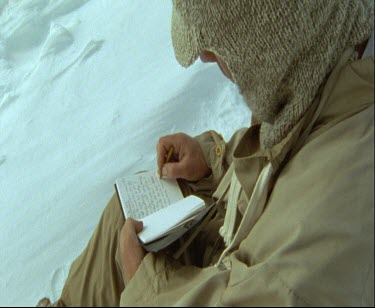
95	278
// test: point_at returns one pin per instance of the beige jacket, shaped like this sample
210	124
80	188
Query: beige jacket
304	233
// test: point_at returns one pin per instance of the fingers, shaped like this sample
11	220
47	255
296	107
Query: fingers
179	170
162	151
164	144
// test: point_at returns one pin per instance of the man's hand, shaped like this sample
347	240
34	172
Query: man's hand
132	252
188	161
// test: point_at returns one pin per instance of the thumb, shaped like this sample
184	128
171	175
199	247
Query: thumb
138	225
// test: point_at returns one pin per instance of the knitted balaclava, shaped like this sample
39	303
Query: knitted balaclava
279	52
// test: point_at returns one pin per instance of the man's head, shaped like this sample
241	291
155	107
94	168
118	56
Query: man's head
277	52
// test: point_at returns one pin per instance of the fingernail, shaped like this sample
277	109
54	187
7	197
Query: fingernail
164	171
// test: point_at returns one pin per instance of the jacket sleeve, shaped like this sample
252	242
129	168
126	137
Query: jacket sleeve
218	154
160	281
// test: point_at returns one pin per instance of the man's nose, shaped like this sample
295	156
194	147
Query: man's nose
207	56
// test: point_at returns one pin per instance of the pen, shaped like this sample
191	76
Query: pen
169	155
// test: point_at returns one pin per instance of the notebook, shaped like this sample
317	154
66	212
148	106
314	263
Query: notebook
160	204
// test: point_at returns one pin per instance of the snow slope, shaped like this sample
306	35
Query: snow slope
86	89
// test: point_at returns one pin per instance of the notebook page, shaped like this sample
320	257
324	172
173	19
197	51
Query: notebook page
145	193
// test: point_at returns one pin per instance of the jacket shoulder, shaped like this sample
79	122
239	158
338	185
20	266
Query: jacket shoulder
317	232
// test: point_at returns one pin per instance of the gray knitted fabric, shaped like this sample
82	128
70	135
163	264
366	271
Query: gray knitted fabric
279	52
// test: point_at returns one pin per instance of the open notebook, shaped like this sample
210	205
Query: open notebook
160	204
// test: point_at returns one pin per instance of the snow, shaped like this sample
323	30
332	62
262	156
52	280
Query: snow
86	90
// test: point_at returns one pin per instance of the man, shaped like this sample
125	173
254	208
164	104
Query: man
293	224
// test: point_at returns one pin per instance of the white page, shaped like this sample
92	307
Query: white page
159	223
145	193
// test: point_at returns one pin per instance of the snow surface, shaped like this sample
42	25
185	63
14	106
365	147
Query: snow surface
86	89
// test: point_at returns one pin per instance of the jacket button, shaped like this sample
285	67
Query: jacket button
218	150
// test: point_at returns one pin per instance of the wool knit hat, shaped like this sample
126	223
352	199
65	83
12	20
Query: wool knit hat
279	52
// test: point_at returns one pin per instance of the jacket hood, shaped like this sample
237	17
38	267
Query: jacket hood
279	53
